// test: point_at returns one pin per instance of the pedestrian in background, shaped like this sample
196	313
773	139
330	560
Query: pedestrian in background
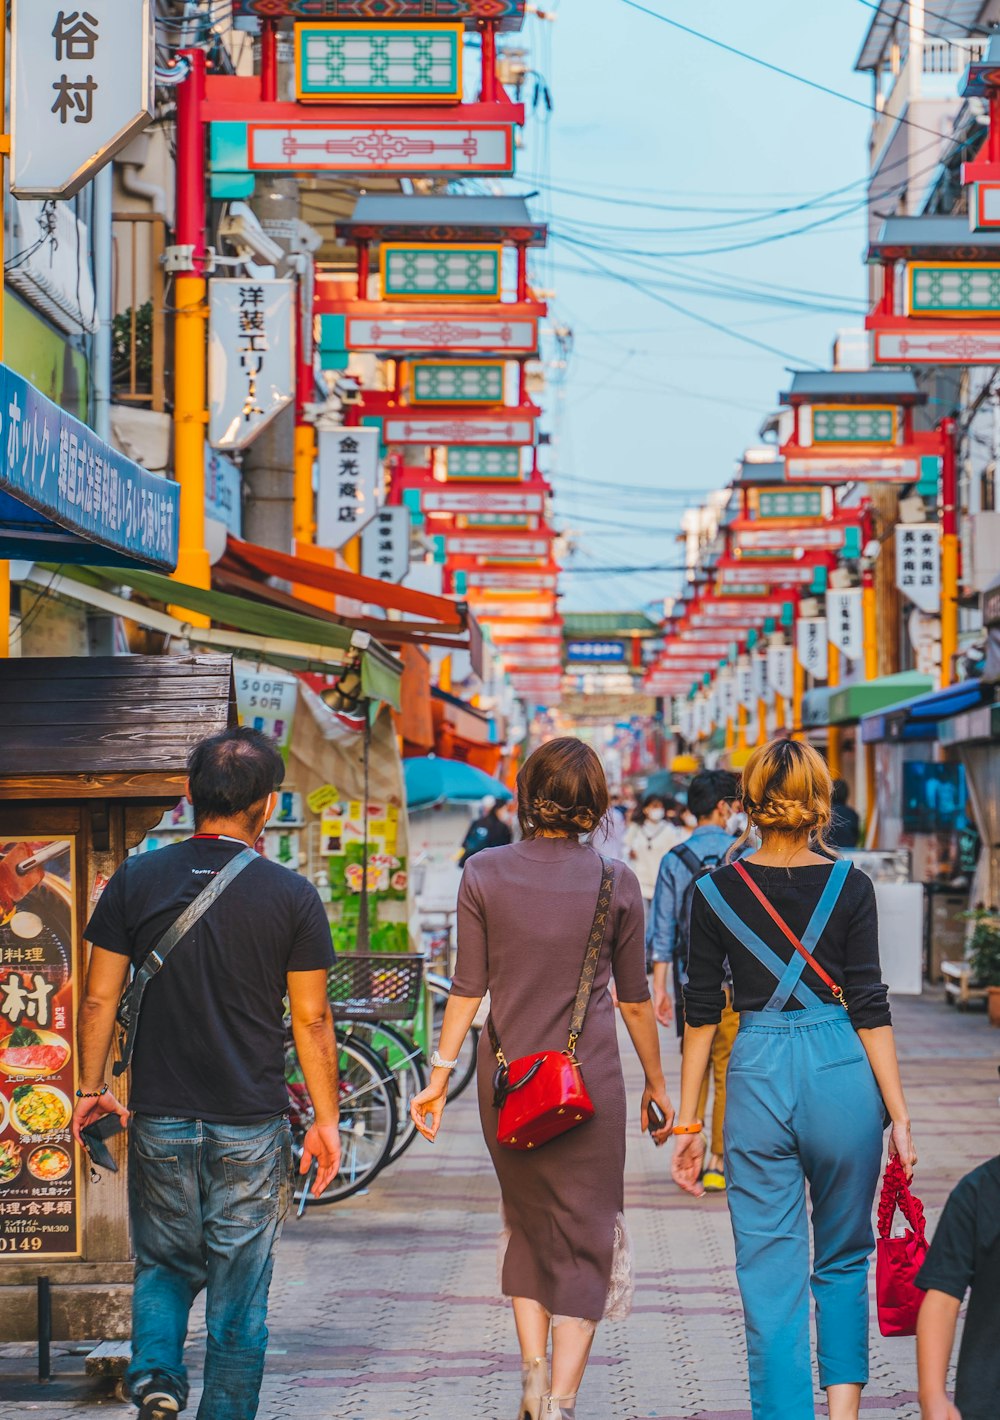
210	1148
713	799
964	1257
647	838
524	914
845	826
809	1082
488	831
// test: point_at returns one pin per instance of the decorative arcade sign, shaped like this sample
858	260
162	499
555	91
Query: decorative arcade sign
854	426
456	381
389	330
474	463
389	62
506	14
451	427
413	271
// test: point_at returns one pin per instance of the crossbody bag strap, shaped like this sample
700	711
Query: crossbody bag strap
598	931
155	960
779	921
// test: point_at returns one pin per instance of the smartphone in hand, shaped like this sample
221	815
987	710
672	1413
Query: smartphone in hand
655	1118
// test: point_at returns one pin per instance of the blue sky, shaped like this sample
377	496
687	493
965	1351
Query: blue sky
644	114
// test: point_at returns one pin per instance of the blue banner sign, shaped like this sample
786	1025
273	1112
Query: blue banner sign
613	651
60	468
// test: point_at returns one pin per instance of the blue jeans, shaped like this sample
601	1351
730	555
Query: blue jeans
802	1106
207	1203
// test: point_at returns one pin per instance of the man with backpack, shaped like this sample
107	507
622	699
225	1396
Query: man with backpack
713	799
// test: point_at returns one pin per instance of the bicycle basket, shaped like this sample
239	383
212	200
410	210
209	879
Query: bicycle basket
381	987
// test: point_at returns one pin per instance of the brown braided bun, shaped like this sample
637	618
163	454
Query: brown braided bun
786	788
561	789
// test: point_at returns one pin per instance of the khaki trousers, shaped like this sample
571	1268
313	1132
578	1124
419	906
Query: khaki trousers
722	1047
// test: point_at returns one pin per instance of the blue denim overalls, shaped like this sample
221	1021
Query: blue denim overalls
802	1104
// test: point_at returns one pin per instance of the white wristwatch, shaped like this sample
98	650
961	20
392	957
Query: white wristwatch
439	1063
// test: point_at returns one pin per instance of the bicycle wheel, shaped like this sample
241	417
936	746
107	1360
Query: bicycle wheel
367	1116
404	1058
462	1075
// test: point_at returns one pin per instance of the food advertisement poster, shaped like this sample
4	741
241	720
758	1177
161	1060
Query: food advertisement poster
342	834
39	1166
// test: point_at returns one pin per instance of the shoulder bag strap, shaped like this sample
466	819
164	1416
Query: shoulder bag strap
779	921
132	1000
598	930
689	858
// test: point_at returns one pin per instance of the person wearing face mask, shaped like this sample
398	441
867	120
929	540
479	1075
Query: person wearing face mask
647	838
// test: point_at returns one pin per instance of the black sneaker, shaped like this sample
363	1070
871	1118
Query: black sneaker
159	1405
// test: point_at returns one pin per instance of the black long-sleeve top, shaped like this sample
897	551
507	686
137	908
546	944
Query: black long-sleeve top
847	949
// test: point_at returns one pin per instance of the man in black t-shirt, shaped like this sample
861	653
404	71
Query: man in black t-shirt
964	1256
210	1143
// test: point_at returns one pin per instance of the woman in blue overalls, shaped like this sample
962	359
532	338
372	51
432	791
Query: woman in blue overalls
812	1078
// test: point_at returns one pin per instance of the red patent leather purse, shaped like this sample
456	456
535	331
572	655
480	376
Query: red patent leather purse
898	1260
542	1095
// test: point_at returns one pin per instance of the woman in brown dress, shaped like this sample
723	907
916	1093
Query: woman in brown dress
524	917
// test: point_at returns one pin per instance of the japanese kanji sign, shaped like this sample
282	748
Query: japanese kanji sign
744	685
918	564
39	1163
810	642
250	358
845	622
82	88
779	671
348	484
385	545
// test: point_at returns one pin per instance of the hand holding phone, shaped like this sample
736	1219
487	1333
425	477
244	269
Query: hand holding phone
655	1118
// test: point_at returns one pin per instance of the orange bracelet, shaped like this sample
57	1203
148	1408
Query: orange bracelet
694	1128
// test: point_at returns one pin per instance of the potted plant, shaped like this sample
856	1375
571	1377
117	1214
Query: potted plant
984	958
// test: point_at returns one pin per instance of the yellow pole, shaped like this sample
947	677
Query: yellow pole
869	613
304	524
779	711
4	154
190	418
834	735
798	691
949	606
762	722
741	727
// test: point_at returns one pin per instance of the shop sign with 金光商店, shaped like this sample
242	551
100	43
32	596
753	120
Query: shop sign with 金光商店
385	545
83	86
250	357
456	381
918	564
39	1162
348	484
811	645
413	271
382	62
845	622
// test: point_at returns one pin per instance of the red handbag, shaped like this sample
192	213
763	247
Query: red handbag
898	1260
542	1095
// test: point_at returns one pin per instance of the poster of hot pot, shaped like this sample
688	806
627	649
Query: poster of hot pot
39	1167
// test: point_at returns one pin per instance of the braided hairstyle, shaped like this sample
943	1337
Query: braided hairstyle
561	789
786	788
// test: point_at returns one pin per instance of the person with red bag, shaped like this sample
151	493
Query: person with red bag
964	1257
812	1076
544	925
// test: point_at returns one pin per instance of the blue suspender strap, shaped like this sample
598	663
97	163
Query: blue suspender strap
749	939
791	978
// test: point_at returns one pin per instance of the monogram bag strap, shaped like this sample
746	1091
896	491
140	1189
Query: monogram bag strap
595	941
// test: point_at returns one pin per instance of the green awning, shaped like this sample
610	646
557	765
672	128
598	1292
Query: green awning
607	623
850	702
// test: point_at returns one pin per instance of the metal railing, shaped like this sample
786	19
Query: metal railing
139	339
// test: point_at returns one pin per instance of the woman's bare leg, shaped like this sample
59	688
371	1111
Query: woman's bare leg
844	1401
572	1339
532	1322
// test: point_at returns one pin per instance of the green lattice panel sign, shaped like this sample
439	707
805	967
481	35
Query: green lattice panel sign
953	288
790	503
449	273
457	382
480	461
854	424
387	61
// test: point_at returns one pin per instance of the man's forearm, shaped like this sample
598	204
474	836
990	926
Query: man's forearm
316	1045
660	976
94	1033
935	1339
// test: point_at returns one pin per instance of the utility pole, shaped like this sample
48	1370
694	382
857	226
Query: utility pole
834	756
949	549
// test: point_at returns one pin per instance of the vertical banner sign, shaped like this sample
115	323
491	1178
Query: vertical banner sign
265	700
685	720
727	696
918	564
39	1163
250	358
702	717
348	484
744	685
83	86
810	642
845	622
779	671
758	672
385	545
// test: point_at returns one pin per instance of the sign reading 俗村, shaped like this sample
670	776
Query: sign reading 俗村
348	484
250	352
918	564
83	86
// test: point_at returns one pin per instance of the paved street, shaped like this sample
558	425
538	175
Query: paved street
387	1306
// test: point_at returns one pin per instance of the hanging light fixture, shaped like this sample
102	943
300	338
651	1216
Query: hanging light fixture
346	696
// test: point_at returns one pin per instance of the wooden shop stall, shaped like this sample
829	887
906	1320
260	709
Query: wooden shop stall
92	751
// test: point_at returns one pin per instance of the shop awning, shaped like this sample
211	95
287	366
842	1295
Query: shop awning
851	702
816	706
919	718
66	496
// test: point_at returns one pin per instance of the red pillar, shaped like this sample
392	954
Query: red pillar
993	132
191	205
522	271
268	61
488	88
362	271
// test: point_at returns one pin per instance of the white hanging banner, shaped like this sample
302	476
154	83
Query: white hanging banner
250	358
918	564
744	684
385	545
780	676
685	719
845	622
727	696
703	717
347	497
810	642
758	672
83	85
